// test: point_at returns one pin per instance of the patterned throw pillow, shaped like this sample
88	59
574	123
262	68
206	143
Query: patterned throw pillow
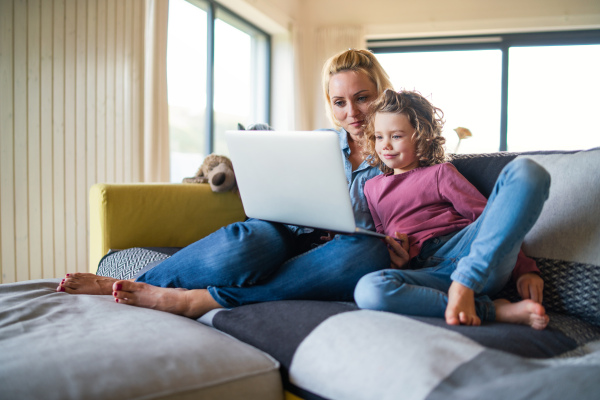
569	288
125	264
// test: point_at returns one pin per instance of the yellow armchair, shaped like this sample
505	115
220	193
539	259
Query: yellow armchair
156	215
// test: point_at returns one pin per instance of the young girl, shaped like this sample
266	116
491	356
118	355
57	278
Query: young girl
459	247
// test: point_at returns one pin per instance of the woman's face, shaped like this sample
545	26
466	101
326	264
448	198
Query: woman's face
350	94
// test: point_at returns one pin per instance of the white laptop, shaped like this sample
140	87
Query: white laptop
294	177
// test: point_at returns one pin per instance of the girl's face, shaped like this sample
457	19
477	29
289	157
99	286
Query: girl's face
350	94
394	142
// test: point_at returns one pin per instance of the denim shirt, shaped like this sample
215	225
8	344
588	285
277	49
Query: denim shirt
356	184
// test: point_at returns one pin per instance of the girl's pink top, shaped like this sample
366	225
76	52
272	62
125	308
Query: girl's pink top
428	202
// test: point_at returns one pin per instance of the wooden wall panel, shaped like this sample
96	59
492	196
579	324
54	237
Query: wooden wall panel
21	234
8	258
59	133
46	133
81	187
71	87
70	113
34	212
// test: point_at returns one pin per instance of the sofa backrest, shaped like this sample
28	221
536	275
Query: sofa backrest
565	241
569	227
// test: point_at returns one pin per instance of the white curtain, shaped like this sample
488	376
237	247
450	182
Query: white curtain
156	112
314	47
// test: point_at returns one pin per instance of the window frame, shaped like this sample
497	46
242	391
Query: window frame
212	8
502	42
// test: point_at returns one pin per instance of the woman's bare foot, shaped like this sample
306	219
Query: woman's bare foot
86	283
525	312
189	303
461	306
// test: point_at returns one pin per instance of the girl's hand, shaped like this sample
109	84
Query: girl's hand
398	251
531	286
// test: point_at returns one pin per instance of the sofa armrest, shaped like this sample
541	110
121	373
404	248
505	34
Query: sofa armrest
156	215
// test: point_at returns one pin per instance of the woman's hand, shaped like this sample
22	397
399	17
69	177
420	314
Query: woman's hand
327	238
531	286
398	251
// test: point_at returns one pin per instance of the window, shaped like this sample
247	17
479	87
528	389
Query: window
553	97
514	92
241	76
218	75
464	84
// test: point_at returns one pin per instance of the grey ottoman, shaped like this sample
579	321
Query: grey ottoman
60	346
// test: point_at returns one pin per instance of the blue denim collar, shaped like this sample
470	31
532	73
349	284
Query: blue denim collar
345	146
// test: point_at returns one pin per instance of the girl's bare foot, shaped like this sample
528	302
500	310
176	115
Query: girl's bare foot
189	303
525	312
86	283
461	306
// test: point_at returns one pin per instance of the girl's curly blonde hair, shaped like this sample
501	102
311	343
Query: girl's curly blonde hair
427	120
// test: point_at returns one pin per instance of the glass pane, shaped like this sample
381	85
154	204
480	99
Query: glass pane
186	82
466	85
240	77
553	98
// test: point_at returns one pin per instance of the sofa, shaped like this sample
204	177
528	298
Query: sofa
60	346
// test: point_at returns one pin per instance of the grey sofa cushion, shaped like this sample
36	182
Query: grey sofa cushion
60	346
569	227
335	350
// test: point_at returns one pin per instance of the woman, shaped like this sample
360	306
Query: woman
257	261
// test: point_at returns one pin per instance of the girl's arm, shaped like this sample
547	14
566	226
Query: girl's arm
371	202
531	286
398	246
457	190
527	277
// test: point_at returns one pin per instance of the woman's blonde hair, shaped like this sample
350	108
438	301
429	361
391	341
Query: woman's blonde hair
353	60
426	119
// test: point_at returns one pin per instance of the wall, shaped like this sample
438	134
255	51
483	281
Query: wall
71	75
391	18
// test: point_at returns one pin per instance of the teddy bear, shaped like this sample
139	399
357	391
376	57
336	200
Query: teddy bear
217	171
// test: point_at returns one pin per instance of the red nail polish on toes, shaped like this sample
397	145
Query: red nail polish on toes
118	286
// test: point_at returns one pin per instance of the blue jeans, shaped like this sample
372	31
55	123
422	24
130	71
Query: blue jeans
480	256
257	261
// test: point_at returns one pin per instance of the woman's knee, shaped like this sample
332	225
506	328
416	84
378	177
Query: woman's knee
255	236
255	229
